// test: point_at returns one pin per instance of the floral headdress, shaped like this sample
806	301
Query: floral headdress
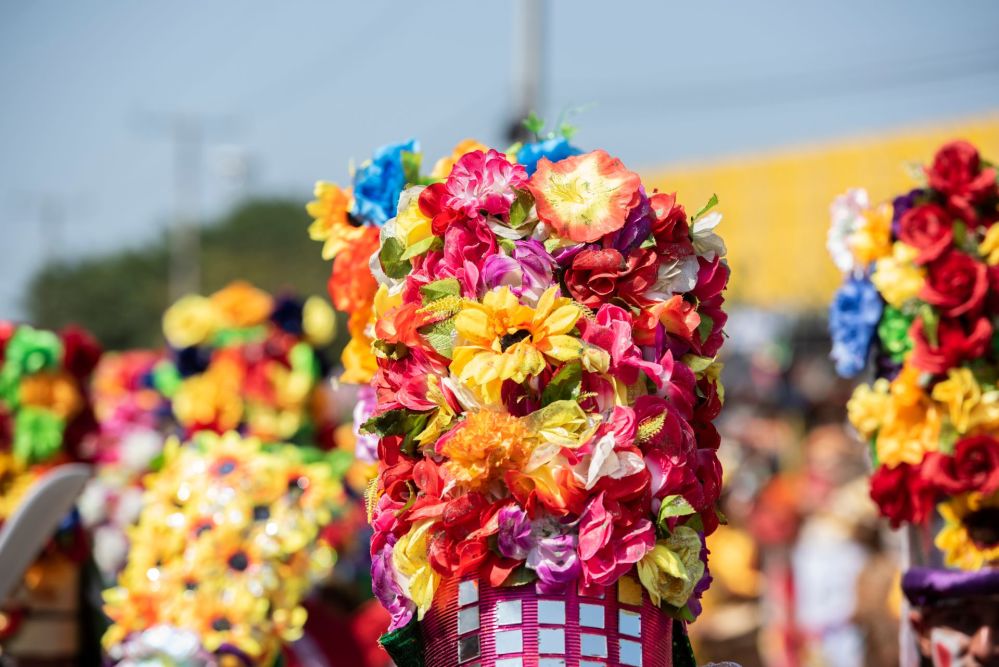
544	333
242	359
919	307
224	551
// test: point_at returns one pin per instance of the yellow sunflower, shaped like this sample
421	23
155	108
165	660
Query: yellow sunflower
331	222
969	539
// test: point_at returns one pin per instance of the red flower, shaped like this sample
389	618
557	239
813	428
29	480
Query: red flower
902	494
431	204
957	174
81	352
669	225
928	229
600	276
973	467
956	342
956	284
712	279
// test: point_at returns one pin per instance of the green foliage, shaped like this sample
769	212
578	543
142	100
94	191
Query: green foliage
121	296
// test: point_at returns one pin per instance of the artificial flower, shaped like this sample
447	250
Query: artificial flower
956	284
853	318
956	342
969	538
190	321
379	181
969	406
444	165
484	446
671	569
409	558
240	304
872	238
897	277
846	213
483	183
957	173
553	149
331	220
927	228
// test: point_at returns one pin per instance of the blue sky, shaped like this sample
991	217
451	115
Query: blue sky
301	87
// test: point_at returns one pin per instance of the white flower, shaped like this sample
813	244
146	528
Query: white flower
676	277
708	244
139	448
110	549
163	646
603	461
846	213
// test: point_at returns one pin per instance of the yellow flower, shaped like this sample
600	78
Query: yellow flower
240	304
411	226
557	425
989	247
897	276
331	223
359	362
190	321
318	321
908	433
484	446
969	538
442	417
442	168
409	557
872	239
501	339
969	407
673	567
211	398
867	407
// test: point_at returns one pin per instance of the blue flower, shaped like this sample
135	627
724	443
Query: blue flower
555	149
853	318
379	181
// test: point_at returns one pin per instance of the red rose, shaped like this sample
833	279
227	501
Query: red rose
600	276
669	225
431	203
973	467
81	351
956	340
957	174
928	229
902	494
956	284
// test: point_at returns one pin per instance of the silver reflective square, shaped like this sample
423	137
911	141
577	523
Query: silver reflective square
593	646
509	641
551	612
629	623
631	653
508	612
468	620
592	616
591	663
551	640
510	662
468	592
468	648
551	662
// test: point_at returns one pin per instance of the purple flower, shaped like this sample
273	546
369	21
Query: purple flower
636	228
366	445
385	588
556	563
901	204
514	537
528	272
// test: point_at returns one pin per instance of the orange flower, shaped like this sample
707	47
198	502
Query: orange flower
485	446
331	221
240	304
54	391
351	285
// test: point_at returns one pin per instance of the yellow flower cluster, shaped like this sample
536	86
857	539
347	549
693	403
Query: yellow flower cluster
226	545
970	536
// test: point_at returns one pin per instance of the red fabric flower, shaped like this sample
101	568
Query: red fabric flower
927	228
81	351
600	276
611	540
973	467
956	342
431	204
956	173
956	284
902	494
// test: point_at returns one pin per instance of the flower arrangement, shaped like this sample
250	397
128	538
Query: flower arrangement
224	551
134	419
540	333
918	306
243	360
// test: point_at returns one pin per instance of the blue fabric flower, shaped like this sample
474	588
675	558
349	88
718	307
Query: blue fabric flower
379	181
555	149
853	318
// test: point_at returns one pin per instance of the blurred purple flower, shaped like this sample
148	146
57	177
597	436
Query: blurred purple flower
385	588
528	272
366	446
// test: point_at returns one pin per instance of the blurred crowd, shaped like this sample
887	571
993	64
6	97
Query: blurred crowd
804	574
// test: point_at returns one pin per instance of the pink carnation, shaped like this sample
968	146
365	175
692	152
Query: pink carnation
483	183
610	545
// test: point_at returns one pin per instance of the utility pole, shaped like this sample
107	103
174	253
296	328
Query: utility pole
528	64
188	135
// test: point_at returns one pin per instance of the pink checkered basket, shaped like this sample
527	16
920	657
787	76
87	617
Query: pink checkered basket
476	625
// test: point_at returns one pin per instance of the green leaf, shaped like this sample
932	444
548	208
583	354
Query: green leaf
507	245
649	242
564	385
568	130
411	166
696	363
398	422
520	576
419	247
439	289
931	324
520	208
440	335
696	522
707	207
385	350
534	124
705	327
948	438
674	506
166	378
391	259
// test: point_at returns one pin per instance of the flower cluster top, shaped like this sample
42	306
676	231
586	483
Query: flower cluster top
919	305
224	551
543	334
243	360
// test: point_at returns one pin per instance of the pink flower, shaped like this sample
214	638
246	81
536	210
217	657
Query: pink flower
611	330
611	542
402	383
483	183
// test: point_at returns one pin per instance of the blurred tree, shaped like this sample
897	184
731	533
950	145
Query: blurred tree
121	296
